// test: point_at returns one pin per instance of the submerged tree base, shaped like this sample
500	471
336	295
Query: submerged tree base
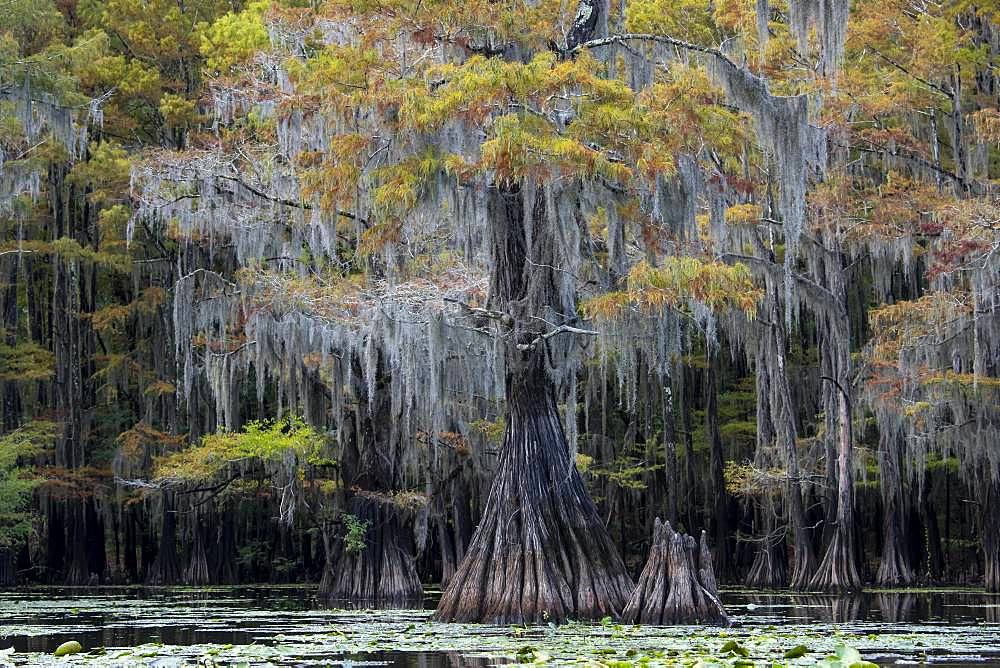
677	585
379	572
837	572
541	552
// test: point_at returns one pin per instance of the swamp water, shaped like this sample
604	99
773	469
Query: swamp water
259	626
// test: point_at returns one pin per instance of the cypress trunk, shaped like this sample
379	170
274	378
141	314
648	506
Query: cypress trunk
166	568
677	585
541	552
838	571
720	507
8	570
197	572
769	569
381	569
935	554
894	568
803	558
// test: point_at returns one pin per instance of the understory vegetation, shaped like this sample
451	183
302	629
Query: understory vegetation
536	300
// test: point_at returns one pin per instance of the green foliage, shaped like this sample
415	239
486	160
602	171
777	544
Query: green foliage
493	431
234	36
845	657
25	362
17	480
690	20
67	648
259	441
797	652
626	472
677	281
355	531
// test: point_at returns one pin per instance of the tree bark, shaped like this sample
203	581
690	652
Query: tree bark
769	569
935	555
197	572
894	568
677	585
8	570
803	558
382	572
11	394
540	552
222	567
720	508
839	569
166	568
131	563
669	449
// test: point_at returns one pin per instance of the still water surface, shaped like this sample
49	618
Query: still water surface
270	625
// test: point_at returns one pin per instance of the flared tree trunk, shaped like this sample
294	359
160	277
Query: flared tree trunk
166	568
894	568
446	548
223	557
838	571
373	563
677	585
769	569
935	555
377	567
770	565
803	557
197	571
720	508
541	552
77	573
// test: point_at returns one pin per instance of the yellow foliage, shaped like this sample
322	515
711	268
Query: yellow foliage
675	283
743	214
234	37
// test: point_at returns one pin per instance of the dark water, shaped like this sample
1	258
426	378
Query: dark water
944	627
956	607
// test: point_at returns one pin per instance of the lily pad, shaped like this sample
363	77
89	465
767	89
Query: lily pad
797	652
69	647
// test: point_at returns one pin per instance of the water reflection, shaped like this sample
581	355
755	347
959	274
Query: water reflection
941	606
40	619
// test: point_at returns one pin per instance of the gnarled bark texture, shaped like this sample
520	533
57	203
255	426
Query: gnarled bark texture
382	573
166	569
197	571
838	571
677	585
541	552
770	565
894	568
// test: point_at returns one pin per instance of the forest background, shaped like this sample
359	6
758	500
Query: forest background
258	322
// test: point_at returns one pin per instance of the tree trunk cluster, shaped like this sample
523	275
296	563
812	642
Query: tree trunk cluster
677	585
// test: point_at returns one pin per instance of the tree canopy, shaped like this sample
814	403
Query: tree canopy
421	281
